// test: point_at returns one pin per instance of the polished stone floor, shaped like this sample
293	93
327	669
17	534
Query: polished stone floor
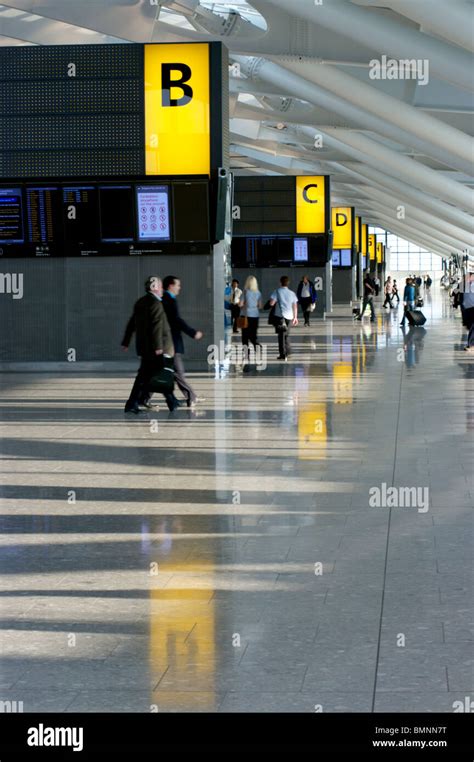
235	558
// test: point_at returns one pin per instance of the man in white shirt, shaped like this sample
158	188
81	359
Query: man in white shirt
286	314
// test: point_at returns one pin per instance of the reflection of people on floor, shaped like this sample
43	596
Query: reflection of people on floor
413	345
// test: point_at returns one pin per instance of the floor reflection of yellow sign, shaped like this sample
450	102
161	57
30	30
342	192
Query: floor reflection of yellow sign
312	433
342	383
182	635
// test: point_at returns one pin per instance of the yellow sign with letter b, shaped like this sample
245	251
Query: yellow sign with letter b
177	109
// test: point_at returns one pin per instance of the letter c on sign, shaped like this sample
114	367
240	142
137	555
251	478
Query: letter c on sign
341	224
305	194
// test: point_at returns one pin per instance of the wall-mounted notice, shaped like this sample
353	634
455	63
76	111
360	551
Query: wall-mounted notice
153	213
300	249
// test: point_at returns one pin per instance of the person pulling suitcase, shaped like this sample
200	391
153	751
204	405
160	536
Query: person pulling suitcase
408	299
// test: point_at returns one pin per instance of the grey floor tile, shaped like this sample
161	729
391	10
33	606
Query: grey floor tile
319	701
244	568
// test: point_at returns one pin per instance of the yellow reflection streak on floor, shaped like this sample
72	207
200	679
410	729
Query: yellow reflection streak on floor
176	640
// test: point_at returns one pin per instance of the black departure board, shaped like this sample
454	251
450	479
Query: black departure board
80	213
267	206
116	213
71	111
104	217
42	212
11	216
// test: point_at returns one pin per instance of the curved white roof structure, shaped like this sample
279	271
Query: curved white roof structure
376	93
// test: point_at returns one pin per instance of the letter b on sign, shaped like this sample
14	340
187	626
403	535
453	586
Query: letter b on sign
177	140
168	81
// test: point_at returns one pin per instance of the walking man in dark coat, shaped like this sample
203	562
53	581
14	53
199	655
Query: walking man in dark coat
153	340
171	290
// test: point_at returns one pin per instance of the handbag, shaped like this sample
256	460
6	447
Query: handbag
272	320
162	380
312	307
280	322
242	322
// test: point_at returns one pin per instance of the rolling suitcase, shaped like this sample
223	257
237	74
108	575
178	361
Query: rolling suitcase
416	318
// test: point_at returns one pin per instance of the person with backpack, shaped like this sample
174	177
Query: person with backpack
284	304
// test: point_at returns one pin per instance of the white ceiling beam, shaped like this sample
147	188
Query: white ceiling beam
387	35
379	104
448	212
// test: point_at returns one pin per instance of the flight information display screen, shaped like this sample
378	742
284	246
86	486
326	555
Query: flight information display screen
11	216
191	211
81	213
300	249
153	212
276	251
346	258
336	258
116	213
42	214
104	218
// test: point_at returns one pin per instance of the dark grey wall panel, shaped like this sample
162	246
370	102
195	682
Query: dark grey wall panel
34	326
84	304
343	283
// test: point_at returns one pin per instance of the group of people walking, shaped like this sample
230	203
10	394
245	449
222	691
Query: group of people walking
283	303
158	328
411	294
